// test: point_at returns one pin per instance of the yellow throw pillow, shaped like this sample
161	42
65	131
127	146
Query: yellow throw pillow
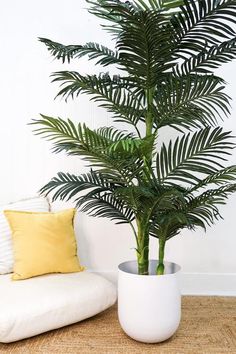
43	243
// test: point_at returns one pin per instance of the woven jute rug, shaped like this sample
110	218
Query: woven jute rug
208	326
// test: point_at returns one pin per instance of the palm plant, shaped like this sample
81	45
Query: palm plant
166	52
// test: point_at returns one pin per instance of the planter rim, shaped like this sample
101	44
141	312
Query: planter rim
122	267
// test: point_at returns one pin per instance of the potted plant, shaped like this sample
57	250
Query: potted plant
165	53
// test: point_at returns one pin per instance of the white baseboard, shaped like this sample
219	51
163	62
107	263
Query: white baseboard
218	284
205	284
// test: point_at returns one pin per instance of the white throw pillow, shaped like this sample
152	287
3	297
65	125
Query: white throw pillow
6	253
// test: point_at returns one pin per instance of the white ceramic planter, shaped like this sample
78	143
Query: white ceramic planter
149	306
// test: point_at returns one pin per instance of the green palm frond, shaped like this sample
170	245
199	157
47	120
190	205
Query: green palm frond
170	224
102	54
115	10
133	146
96	202
206	211
106	206
197	211
80	140
191	101
205	207
64	134
112	94
150	197
151	202
202	23
118	12
170	219
142	5
191	155
213	196
77	138
60	51
111	10
67	186
220	177
138	198
208	60
143	42
94	146
144	45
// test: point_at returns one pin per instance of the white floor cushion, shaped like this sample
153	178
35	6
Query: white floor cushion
36	305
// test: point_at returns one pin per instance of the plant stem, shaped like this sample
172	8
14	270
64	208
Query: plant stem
143	264
143	222
149	117
161	267
142	248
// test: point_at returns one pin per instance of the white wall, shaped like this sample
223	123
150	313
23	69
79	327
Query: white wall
208	261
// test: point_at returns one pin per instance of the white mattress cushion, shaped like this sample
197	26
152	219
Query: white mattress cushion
33	306
37	204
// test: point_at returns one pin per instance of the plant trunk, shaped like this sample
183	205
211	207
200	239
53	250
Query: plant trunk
143	228
142	249
149	117
161	268
143	262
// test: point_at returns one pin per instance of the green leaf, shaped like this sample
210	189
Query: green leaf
68	186
106	206
193	156
204	206
104	55
201	24
219	177
191	101
91	145
206	61
115	94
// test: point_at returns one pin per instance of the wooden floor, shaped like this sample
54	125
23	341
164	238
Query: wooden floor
208	326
